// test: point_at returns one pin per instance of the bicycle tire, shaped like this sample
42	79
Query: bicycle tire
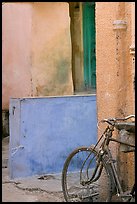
98	191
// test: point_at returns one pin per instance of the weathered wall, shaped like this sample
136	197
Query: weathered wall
37	56
36	50
114	67
44	130
16	48
51	49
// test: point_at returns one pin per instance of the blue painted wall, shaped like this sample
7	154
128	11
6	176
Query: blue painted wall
43	131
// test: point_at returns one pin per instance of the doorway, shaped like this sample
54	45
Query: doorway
82	26
88	11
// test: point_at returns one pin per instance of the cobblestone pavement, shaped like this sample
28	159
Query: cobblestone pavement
45	188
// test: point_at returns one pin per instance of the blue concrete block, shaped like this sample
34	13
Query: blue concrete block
43	131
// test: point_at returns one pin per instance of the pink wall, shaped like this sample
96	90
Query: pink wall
16	63
36	50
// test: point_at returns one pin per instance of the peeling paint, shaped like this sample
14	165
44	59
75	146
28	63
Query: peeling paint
15	150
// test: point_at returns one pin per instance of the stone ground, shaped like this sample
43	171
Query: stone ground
45	188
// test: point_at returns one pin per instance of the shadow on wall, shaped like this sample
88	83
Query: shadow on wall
5	123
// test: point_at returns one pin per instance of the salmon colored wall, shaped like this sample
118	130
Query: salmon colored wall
115	95
16	47
36	50
114	61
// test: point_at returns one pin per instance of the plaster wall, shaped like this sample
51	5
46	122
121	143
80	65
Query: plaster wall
114	71
44	130
16	48
36	50
51	49
114	62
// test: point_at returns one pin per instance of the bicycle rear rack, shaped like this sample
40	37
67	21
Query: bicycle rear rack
127	135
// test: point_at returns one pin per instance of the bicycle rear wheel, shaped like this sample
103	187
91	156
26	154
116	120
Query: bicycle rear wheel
73	190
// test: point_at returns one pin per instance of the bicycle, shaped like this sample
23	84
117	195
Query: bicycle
90	174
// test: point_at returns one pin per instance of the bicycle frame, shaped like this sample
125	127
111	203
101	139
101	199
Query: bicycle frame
104	152
116	179
98	167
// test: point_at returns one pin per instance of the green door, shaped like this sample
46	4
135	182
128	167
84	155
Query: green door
89	45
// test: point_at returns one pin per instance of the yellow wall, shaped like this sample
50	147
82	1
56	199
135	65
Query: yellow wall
51	49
